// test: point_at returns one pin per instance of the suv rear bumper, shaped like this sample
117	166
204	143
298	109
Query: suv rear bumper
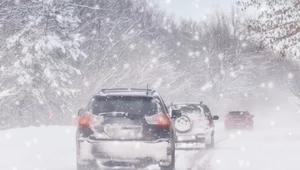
238	124
132	152
199	138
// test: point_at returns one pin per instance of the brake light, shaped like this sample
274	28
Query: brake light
227	118
163	120
209	123
160	120
84	121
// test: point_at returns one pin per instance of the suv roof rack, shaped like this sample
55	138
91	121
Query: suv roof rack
147	91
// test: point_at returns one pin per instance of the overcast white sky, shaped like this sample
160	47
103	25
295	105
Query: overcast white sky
194	9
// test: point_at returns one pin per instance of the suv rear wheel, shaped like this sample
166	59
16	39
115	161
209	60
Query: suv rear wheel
92	165
212	141
172	165
85	167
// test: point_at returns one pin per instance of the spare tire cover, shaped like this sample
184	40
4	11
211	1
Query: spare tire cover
183	124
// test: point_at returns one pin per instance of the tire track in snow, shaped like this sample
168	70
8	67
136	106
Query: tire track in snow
195	159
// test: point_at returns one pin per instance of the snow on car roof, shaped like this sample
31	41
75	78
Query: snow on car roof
127	94
187	103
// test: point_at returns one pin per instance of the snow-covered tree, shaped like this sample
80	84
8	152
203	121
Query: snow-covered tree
40	54
277	26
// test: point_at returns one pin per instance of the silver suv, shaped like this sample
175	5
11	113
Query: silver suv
196	125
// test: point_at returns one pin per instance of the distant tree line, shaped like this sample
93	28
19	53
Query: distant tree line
54	55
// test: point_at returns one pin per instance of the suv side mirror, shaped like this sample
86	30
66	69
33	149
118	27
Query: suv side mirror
215	118
176	114
80	112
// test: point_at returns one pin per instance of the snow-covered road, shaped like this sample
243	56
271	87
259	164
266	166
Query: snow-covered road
273	145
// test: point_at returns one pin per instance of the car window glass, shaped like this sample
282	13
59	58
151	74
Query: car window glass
127	104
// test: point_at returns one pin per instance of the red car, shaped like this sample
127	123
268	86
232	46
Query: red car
239	119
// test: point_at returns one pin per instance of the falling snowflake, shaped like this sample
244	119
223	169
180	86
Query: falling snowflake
218	161
154	60
17	102
290	75
178	62
126	66
290	133
107	19
38	156
272	123
232	136
270	85
244	45
263	85
28	144
242	148
233	74
221	56
277	108
248	163
241	163
58	93
206	60
35	140
178	43
266	98
191	53
132	46
168	1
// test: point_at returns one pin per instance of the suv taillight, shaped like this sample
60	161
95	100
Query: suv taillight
209	123
227	117
85	121
160	120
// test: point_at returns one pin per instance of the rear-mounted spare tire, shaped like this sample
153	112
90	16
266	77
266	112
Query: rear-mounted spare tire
183	124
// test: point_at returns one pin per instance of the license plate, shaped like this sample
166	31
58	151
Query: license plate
184	138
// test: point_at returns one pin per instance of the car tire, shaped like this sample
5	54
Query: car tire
172	165
212	142
86	167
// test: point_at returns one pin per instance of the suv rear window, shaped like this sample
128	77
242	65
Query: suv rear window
127	104
189	109
237	113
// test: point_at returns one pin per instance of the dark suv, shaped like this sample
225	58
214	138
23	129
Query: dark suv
126	127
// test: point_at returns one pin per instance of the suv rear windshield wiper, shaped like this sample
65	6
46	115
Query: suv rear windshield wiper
118	114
